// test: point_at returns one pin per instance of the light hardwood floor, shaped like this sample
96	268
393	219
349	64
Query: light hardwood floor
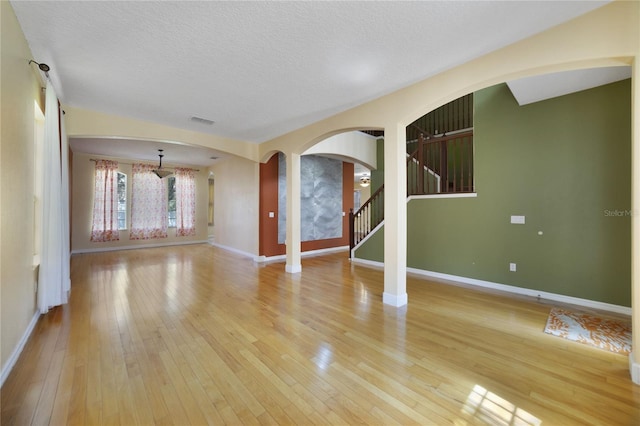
197	335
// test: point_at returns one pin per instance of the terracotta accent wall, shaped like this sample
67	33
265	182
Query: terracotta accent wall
269	203
268	244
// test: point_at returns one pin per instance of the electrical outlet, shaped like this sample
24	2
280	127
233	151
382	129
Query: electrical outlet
512	267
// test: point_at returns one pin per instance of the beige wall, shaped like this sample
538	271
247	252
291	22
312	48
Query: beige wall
82	206
86	123
236	204
20	88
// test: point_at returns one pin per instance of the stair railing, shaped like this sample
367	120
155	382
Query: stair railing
440	164
366	218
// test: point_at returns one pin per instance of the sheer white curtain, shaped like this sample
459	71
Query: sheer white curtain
148	204
53	278
185	202
104	225
66	215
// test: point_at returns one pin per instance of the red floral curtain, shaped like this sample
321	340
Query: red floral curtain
105	204
185	202
148	204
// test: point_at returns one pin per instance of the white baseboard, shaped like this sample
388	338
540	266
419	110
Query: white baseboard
308	253
634	369
368	263
506	288
6	369
293	269
318	252
394	300
177	243
234	250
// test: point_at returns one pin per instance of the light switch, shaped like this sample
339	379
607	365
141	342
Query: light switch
517	220
272	214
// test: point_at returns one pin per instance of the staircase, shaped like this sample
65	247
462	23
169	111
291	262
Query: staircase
437	163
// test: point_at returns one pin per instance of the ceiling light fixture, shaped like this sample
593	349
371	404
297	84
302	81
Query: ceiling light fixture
365	181
159	172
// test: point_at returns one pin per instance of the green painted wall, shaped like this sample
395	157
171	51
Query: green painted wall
373	248
564	164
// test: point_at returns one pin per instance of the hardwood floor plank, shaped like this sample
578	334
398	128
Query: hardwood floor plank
77	400
198	335
62	400
178	382
385	399
42	415
141	406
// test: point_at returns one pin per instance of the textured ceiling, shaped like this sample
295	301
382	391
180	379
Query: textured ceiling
261	69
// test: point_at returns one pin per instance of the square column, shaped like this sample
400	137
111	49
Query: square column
294	264
395	215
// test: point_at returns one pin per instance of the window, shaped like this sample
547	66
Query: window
148	204
159	204
171	209
122	201
104	223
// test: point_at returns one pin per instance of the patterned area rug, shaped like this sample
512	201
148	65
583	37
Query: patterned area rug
612	335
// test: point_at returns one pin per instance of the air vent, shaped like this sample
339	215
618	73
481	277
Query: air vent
202	120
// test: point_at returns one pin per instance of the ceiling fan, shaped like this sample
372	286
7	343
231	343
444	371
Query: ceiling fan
159	171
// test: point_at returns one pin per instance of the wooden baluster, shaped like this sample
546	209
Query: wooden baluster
452	145
427	187
363	231
420	155
365	221
352	241
470	167
444	166
466	157
461	158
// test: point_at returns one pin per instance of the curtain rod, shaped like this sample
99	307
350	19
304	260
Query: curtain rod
130	164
